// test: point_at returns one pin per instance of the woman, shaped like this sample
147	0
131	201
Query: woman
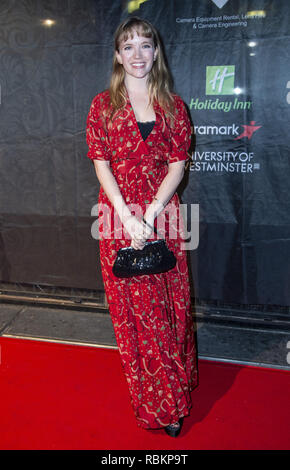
138	134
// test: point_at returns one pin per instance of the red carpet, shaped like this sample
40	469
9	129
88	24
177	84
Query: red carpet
56	396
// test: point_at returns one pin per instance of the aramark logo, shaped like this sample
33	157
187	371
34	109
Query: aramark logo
217	130
228	130
248	130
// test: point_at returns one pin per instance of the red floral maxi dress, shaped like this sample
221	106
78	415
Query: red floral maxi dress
151	314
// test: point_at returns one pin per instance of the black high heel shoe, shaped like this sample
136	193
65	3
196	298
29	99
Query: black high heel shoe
174	431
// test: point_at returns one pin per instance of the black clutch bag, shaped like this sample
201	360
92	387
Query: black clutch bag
154	258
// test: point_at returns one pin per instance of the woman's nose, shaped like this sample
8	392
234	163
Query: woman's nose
137	53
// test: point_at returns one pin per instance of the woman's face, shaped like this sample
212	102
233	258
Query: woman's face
137	55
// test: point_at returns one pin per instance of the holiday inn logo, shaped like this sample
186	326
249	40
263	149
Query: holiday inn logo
220	80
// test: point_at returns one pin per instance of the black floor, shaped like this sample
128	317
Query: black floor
264	347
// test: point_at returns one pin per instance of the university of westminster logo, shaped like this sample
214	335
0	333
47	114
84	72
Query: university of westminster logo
220	80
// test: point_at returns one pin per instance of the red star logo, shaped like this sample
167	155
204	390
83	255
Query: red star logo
249	130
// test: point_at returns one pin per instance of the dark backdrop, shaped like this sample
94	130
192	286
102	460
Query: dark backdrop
238	174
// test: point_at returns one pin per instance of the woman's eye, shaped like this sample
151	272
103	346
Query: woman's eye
126	48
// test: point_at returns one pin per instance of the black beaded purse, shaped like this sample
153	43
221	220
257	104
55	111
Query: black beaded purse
154	258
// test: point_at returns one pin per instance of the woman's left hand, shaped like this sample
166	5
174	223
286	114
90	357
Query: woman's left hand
139	239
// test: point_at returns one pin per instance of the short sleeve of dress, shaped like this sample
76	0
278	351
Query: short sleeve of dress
96	135
180	133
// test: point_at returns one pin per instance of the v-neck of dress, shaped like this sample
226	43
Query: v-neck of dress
146	127
155	107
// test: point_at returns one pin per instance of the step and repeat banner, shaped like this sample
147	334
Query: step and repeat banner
230	63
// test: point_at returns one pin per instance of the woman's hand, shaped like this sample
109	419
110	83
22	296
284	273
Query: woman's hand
138	231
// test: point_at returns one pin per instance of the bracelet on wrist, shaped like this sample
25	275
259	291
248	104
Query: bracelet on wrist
158	200
146	223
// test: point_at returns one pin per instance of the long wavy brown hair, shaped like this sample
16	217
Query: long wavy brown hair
159	79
